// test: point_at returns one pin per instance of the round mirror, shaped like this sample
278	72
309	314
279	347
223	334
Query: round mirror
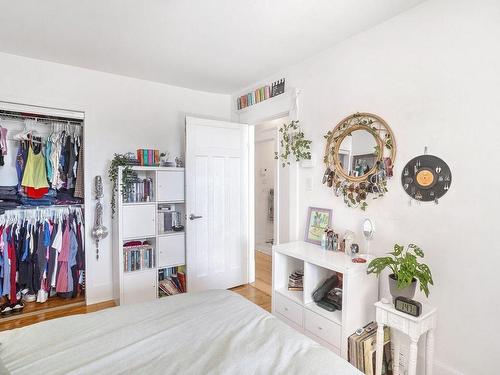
357	153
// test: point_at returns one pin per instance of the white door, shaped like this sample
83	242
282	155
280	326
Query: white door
216	204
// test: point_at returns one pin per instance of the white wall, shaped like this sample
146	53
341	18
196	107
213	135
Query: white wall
433	74
121	114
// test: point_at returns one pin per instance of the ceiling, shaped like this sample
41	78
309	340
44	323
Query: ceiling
211	45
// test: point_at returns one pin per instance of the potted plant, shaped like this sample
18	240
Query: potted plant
293	142
406	270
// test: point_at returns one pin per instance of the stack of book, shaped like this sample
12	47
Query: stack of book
171	281
148	157
165	219
136	258
362	349
142	191
261	94
296	281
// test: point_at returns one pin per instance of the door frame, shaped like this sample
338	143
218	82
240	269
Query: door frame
251	191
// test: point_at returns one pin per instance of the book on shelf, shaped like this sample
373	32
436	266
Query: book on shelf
296	281
171	281
139	257
362	350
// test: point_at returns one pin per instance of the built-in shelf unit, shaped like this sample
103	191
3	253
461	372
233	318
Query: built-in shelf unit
297	308
143	221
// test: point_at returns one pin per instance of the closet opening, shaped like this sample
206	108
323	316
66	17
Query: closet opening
42	236
270	200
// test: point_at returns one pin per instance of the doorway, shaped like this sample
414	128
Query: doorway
270	201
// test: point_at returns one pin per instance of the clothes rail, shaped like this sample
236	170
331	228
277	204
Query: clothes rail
46	120
41	213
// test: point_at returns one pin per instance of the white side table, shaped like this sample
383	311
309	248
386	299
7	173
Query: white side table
414	327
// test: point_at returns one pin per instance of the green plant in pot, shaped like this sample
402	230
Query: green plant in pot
406	270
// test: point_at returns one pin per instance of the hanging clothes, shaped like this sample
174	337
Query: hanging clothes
3	144
79	174
41	255
35	172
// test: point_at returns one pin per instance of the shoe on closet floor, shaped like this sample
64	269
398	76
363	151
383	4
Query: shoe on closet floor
6	309
29	297
17	307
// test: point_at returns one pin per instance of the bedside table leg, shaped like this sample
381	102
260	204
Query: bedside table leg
429	352
380	349
395	359
412	361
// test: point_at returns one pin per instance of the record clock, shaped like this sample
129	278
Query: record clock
426	178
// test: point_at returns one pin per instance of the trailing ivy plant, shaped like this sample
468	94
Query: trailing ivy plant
128	176
405	266
292	142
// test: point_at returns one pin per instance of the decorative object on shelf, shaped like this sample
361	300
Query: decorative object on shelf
148	157
318	220
359	157
347	241
354	254
164	157
292	142
406	270
179	162
99	231
261	94
128	177
426	178
330	240
408	306
278	87
177	222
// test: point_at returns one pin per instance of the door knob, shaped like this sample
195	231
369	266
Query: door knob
193	217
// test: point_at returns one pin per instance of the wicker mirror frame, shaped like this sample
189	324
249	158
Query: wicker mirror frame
359	121
386	146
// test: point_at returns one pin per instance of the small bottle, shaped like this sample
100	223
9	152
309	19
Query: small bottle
324	241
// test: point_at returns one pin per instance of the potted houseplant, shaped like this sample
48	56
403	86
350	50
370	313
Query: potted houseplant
406	270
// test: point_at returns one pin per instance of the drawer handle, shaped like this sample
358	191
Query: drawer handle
286	308
320	328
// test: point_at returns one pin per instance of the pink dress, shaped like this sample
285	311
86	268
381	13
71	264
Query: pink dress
62	275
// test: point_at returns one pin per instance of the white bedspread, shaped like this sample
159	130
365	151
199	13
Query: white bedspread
214	332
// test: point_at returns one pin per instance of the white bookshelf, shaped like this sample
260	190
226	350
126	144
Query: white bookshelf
297	308
138	221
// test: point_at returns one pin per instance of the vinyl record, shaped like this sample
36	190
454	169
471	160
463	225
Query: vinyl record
426	178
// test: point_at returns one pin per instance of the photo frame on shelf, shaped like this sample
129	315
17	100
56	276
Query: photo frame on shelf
318	219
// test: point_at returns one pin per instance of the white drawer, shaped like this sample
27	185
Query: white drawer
397	322
323	328
289	309
171	250
139	221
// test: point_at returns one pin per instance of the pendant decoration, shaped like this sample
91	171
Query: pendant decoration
99	231
426	178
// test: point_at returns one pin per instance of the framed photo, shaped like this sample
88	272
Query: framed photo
318	219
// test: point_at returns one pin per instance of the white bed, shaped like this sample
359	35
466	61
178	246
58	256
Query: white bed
214	332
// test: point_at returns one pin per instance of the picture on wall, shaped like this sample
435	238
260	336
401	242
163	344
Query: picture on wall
318	219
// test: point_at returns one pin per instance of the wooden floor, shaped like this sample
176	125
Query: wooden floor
263	272
254	295
258	292
52	309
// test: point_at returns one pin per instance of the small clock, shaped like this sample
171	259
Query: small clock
408	306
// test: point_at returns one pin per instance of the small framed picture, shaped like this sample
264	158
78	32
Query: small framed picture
318	219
